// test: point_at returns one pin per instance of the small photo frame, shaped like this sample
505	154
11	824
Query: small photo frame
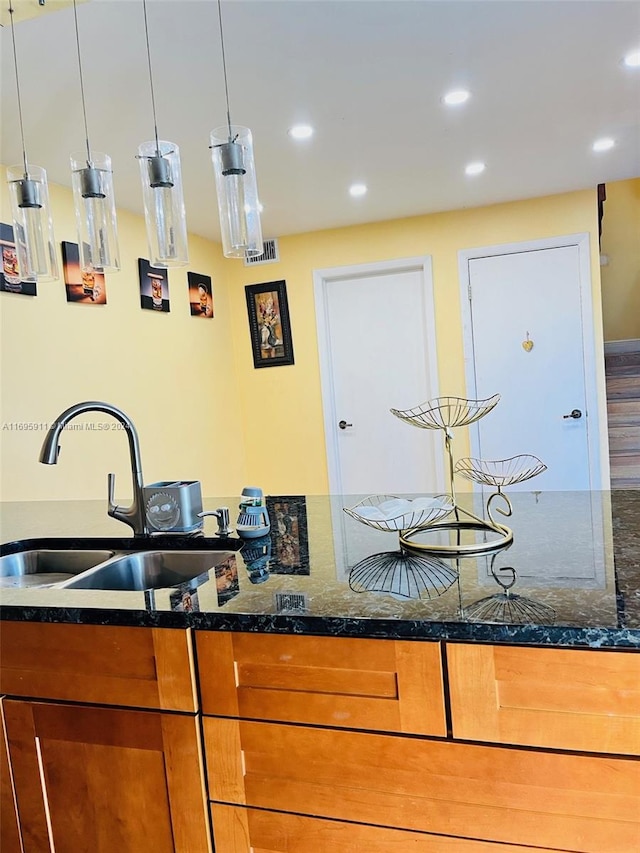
10	279
288	516
269	324
154	287
84	287
200	295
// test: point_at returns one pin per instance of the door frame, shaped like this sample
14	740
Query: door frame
596	448
321	279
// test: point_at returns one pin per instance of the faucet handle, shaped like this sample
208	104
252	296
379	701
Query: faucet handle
111	487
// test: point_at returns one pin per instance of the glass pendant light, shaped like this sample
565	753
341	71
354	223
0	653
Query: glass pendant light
29	194
161	178
94	198
236	185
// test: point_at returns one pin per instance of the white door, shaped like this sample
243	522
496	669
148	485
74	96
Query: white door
531	341
376	336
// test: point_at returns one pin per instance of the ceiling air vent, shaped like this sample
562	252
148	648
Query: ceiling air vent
269	255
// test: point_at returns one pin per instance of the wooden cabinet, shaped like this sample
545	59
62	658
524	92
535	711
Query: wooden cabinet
561	698
9	831
553	800
241	830
105	779
136	667
383	685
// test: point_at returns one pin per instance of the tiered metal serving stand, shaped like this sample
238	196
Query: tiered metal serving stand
444	513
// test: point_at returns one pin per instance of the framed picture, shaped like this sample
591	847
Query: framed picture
87	288
200	295
288	516
269	324
10	280
154	287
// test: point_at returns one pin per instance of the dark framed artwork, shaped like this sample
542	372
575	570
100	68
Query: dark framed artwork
10	280
154	287
288	516
87	288
269	324
200	295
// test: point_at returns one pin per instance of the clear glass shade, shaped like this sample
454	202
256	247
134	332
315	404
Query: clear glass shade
164	211
94	201
32	224
237	189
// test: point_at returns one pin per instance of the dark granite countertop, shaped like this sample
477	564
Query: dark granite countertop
570	578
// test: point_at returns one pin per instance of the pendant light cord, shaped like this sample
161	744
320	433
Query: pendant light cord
153	97
15	62
224	70
84	109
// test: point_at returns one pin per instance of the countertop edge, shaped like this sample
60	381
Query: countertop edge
492	633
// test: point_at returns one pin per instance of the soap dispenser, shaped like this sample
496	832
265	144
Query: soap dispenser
253	519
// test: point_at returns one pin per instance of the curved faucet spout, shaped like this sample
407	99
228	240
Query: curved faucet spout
133	515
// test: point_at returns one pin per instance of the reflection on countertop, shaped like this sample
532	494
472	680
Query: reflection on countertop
570	578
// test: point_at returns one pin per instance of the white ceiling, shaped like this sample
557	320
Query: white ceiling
546	81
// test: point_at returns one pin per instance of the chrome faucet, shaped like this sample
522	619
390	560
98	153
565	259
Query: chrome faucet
133	515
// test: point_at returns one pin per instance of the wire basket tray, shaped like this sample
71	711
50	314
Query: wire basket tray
505	608
402	575
392	514
446	412
500	472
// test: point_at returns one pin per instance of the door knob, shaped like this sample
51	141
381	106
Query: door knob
576	413
344	424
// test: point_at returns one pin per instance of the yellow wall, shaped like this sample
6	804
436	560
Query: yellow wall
282	406
173	374
621	276
201	409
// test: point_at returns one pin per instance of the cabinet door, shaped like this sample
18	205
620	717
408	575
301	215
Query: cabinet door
106	780
137	667
386	685
240	830
561	698
584	803
9	832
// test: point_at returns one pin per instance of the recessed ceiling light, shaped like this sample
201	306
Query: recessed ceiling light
357	190
301	131
604	144
474	168
458	96
632	60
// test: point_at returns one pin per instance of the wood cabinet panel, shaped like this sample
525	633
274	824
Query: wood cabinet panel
9	831
137	667
561	698
580	803
242	830
102	779
383	685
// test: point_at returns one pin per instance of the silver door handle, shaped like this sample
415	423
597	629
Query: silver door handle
576	413
344	424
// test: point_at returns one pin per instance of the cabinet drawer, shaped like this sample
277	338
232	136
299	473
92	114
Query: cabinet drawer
136	667
241	830
580	803
360	684
561	698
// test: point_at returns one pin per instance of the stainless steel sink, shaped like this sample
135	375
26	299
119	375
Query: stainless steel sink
148	570
46	567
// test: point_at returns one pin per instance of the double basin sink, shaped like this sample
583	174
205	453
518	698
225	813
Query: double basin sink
108	569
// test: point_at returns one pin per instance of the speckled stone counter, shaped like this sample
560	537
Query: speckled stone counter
571	577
